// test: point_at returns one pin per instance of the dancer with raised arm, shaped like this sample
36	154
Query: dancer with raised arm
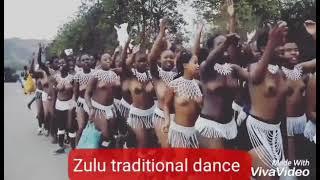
161	76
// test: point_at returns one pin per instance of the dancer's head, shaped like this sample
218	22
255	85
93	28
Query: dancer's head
71	63
106	61
215	41
262	40
117	61
93	61
54	63
187	64
291	52
85	62
78	61
140	61
63	65
167	60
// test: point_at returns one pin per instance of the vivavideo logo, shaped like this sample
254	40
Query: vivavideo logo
169	164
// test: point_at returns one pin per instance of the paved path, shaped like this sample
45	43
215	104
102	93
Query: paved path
26	155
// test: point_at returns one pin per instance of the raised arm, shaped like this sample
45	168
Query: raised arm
216	53
125	69
157	49
311	99
41	64
35	74
242	73
275	39
168	103
311	28
232	19
309	66
196	45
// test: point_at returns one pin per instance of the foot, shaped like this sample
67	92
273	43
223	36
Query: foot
60	151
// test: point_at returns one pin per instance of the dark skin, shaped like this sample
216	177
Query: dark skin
38	75
103	94
82	116
49	84
214	84
311	87
311	98
167	64
267	91
117	69
219	91
141	93
125	74
65	92
296	100
186	110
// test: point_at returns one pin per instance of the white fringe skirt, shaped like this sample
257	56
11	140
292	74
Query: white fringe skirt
241	114
212	129
103	111
182	137
82	105
158	117
124	108
266	140
310	131
65	105
296	125
116	102
139	118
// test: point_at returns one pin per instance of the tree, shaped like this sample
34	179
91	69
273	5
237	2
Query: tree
255	14
93	28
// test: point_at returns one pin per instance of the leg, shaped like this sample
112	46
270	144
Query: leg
103	125
71	127
291	148
141	137
46	116
82	119
256	163
40	115
62	117
162	137
211	143
52	123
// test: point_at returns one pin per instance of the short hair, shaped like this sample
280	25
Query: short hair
210	41
262	40
203	54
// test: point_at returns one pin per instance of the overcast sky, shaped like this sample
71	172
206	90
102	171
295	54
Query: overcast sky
40	19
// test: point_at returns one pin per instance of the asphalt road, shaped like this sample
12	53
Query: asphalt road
26	155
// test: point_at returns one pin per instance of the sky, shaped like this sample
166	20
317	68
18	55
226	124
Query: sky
41	19
37	19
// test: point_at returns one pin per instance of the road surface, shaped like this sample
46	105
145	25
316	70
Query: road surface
26	155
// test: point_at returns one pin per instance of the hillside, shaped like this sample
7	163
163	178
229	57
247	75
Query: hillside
17	52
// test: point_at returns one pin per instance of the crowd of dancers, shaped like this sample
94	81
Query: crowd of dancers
258	96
